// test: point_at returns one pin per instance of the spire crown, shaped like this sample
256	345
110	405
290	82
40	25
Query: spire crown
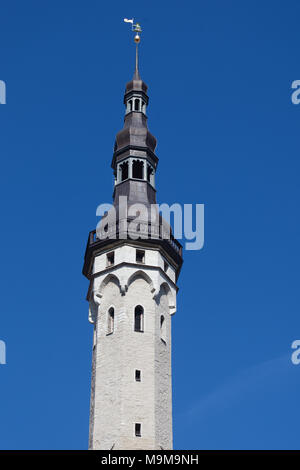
134	156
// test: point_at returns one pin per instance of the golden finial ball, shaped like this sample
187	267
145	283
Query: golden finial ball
137	38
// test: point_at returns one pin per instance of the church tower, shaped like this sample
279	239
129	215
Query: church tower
132	262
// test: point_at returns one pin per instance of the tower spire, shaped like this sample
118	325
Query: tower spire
136	73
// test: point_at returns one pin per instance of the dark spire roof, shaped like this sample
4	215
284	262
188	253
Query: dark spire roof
136	83
135	134
136	142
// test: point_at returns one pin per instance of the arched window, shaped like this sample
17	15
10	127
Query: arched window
149	173
138	318
138	169
163	329
124	171
136	104
130	105
110	321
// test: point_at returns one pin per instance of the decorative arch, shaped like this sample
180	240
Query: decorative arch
141	275
165	289
109	278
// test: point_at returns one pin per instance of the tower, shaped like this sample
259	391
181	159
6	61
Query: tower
132	262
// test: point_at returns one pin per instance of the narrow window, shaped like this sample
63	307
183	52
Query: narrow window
149	172
138	375
124	171
130	105
138	318
140	256
162	328
138	429
110	259
137	104
110	321
138	169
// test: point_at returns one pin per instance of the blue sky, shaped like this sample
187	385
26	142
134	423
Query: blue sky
219	76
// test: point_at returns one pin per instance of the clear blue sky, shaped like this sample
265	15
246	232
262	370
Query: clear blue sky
219	76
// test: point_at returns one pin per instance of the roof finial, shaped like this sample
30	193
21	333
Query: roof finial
137	29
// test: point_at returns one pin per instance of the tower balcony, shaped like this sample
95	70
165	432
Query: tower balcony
148	235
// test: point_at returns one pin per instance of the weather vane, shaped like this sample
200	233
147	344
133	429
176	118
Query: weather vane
136	28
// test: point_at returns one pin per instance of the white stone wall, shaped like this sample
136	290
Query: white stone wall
119	401
163	382
126	253
108	376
